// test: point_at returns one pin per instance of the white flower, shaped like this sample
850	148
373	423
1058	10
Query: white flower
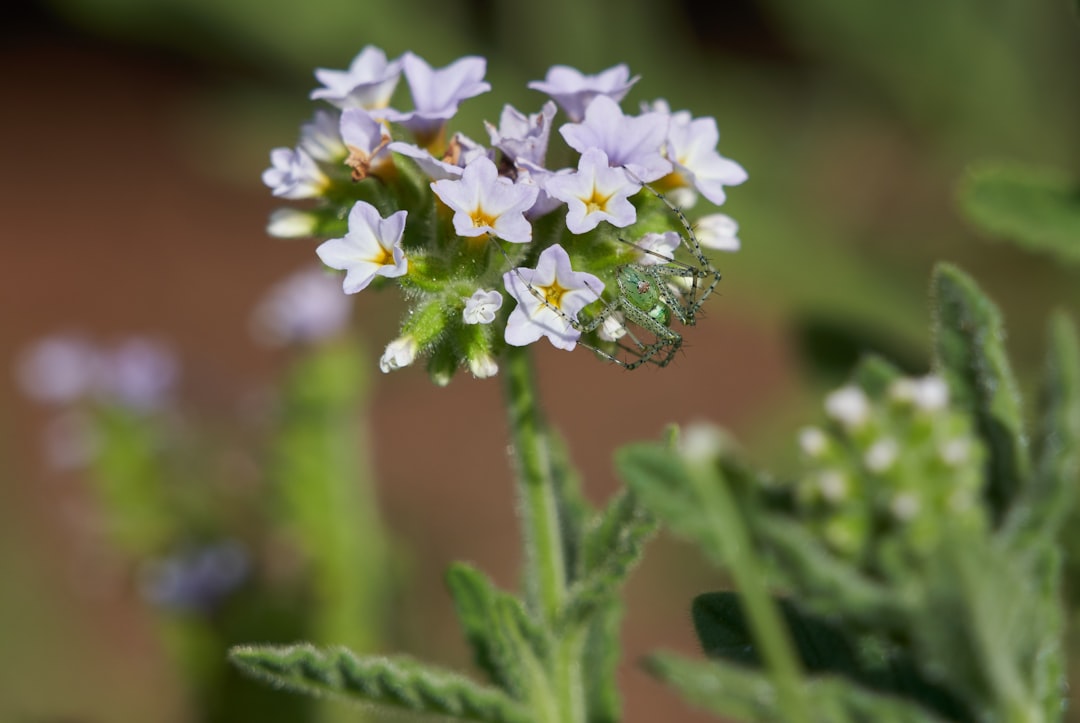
292	223
881	455
483	366
904	506
58	369
658	248
613	327
691	147
552	281
812	441
321	137
523	137
630	142
372	247
400	353
368	83
931	393
480	308
849	406
484	202
595	193
366	140
574	91
717	231
294	174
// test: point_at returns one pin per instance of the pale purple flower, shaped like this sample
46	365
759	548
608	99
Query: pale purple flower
368	83
554	281
139	373
574	91
58	369
437	93
195	580
307	306
530	174
371	247
294	174
596	192
321	137
632	142
483	203
401	352
461	151
691	147
658	248
521	137
480	308
717	231
366	140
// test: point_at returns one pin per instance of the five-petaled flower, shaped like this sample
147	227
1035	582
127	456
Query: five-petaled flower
596	192
437	93
480	308
574	91
368	83
372	247
691	148
486	203
548	297
632	142
294	174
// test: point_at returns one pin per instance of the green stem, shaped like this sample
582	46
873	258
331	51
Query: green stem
545	571
770	633
545	565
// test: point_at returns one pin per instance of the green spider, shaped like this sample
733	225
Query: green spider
650	297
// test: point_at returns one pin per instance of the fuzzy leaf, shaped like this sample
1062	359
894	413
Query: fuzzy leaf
743	694
506	642
613	546
823	648
1037	209
826	584
396	683
656	474
970	354
1051	496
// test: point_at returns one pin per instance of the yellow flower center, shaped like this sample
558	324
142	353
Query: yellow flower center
481	218
383	257
597	201
554	293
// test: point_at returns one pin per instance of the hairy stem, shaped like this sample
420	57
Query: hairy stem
545	566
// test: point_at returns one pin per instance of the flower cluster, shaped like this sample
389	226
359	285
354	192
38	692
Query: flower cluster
495	244
890	471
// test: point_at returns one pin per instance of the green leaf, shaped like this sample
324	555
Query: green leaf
396	683
970	354
874	374
1038	209
1050	498
826	584
613	545
823	648
658	477
743	694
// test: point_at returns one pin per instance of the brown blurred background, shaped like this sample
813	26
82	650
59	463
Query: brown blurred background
134	134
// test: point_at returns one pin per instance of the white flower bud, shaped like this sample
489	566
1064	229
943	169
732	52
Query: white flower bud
401	352
812	441
881	455
849	406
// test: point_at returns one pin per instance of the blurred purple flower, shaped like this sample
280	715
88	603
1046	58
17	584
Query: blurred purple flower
574	91
305	307
195	580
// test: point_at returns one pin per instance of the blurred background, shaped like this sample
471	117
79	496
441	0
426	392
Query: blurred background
144	531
